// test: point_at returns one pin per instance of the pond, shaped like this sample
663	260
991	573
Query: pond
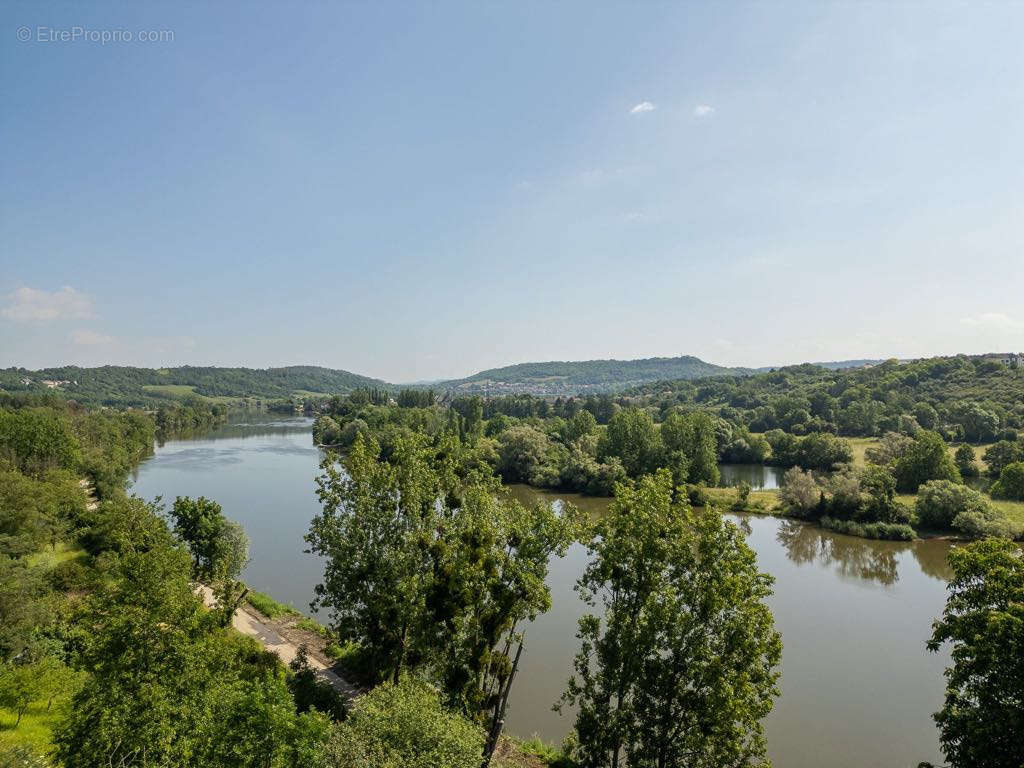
760	477
858	686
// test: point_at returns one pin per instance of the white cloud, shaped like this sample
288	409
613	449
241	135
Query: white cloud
85	337
703	110
994	321
643	106
31	305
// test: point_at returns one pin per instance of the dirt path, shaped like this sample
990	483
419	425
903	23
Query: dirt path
249	624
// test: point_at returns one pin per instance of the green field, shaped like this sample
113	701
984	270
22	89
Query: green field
36	726
181	391
48	558
860	445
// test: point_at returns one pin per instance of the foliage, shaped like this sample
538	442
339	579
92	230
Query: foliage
927	459
267	605
426	571
113	385
1011	482
1002	454
681	668
404	725
966	462
982	717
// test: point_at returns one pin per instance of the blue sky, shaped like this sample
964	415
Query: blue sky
416	191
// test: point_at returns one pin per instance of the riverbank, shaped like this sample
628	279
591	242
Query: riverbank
284	638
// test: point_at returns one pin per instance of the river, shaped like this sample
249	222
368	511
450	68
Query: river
858	686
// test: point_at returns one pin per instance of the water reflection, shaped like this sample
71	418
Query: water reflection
857	558
849	558
760	477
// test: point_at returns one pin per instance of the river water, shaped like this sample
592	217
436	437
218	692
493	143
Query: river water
858	686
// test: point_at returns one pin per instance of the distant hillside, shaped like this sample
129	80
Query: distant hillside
564	378
122	385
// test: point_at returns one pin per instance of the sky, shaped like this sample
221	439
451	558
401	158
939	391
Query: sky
417	191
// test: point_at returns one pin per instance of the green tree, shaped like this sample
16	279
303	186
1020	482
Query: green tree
375	532
524	453
682	667
633	438
983	717
1002	454
1010	484
966	462
403	725
21	685
691	443
927	459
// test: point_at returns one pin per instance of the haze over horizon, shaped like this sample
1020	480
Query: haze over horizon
425	195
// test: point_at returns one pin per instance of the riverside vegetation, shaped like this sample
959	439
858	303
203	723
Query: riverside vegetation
910	481
432	576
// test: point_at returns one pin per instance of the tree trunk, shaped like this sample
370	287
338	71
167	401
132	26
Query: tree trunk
499	712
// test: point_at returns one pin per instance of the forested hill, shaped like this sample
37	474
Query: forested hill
123	385
560	377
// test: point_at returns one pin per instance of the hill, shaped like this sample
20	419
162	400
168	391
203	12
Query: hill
127	386
566	377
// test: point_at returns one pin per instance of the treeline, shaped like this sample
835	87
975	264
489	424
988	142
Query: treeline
175	419
568	449
45	433
580	444
125	386
962	398
572	377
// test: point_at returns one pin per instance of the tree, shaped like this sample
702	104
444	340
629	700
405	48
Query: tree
682	667
1001	454
219	547
940	501
691	443
23	684
966	461
524	452
374	531
1011	482
927	459
403	725
167	686
426	572
982	718
800	492
633	438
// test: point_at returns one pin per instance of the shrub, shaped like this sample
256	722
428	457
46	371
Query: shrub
405	725
939	502
800	495
978	523
742	496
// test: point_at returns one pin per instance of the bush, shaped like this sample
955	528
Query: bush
800	495
978	524
939	502
71	576
404	725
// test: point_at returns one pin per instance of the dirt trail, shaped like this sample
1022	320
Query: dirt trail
249	624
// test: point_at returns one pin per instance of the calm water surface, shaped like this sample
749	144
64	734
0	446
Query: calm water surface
858	686
761	477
